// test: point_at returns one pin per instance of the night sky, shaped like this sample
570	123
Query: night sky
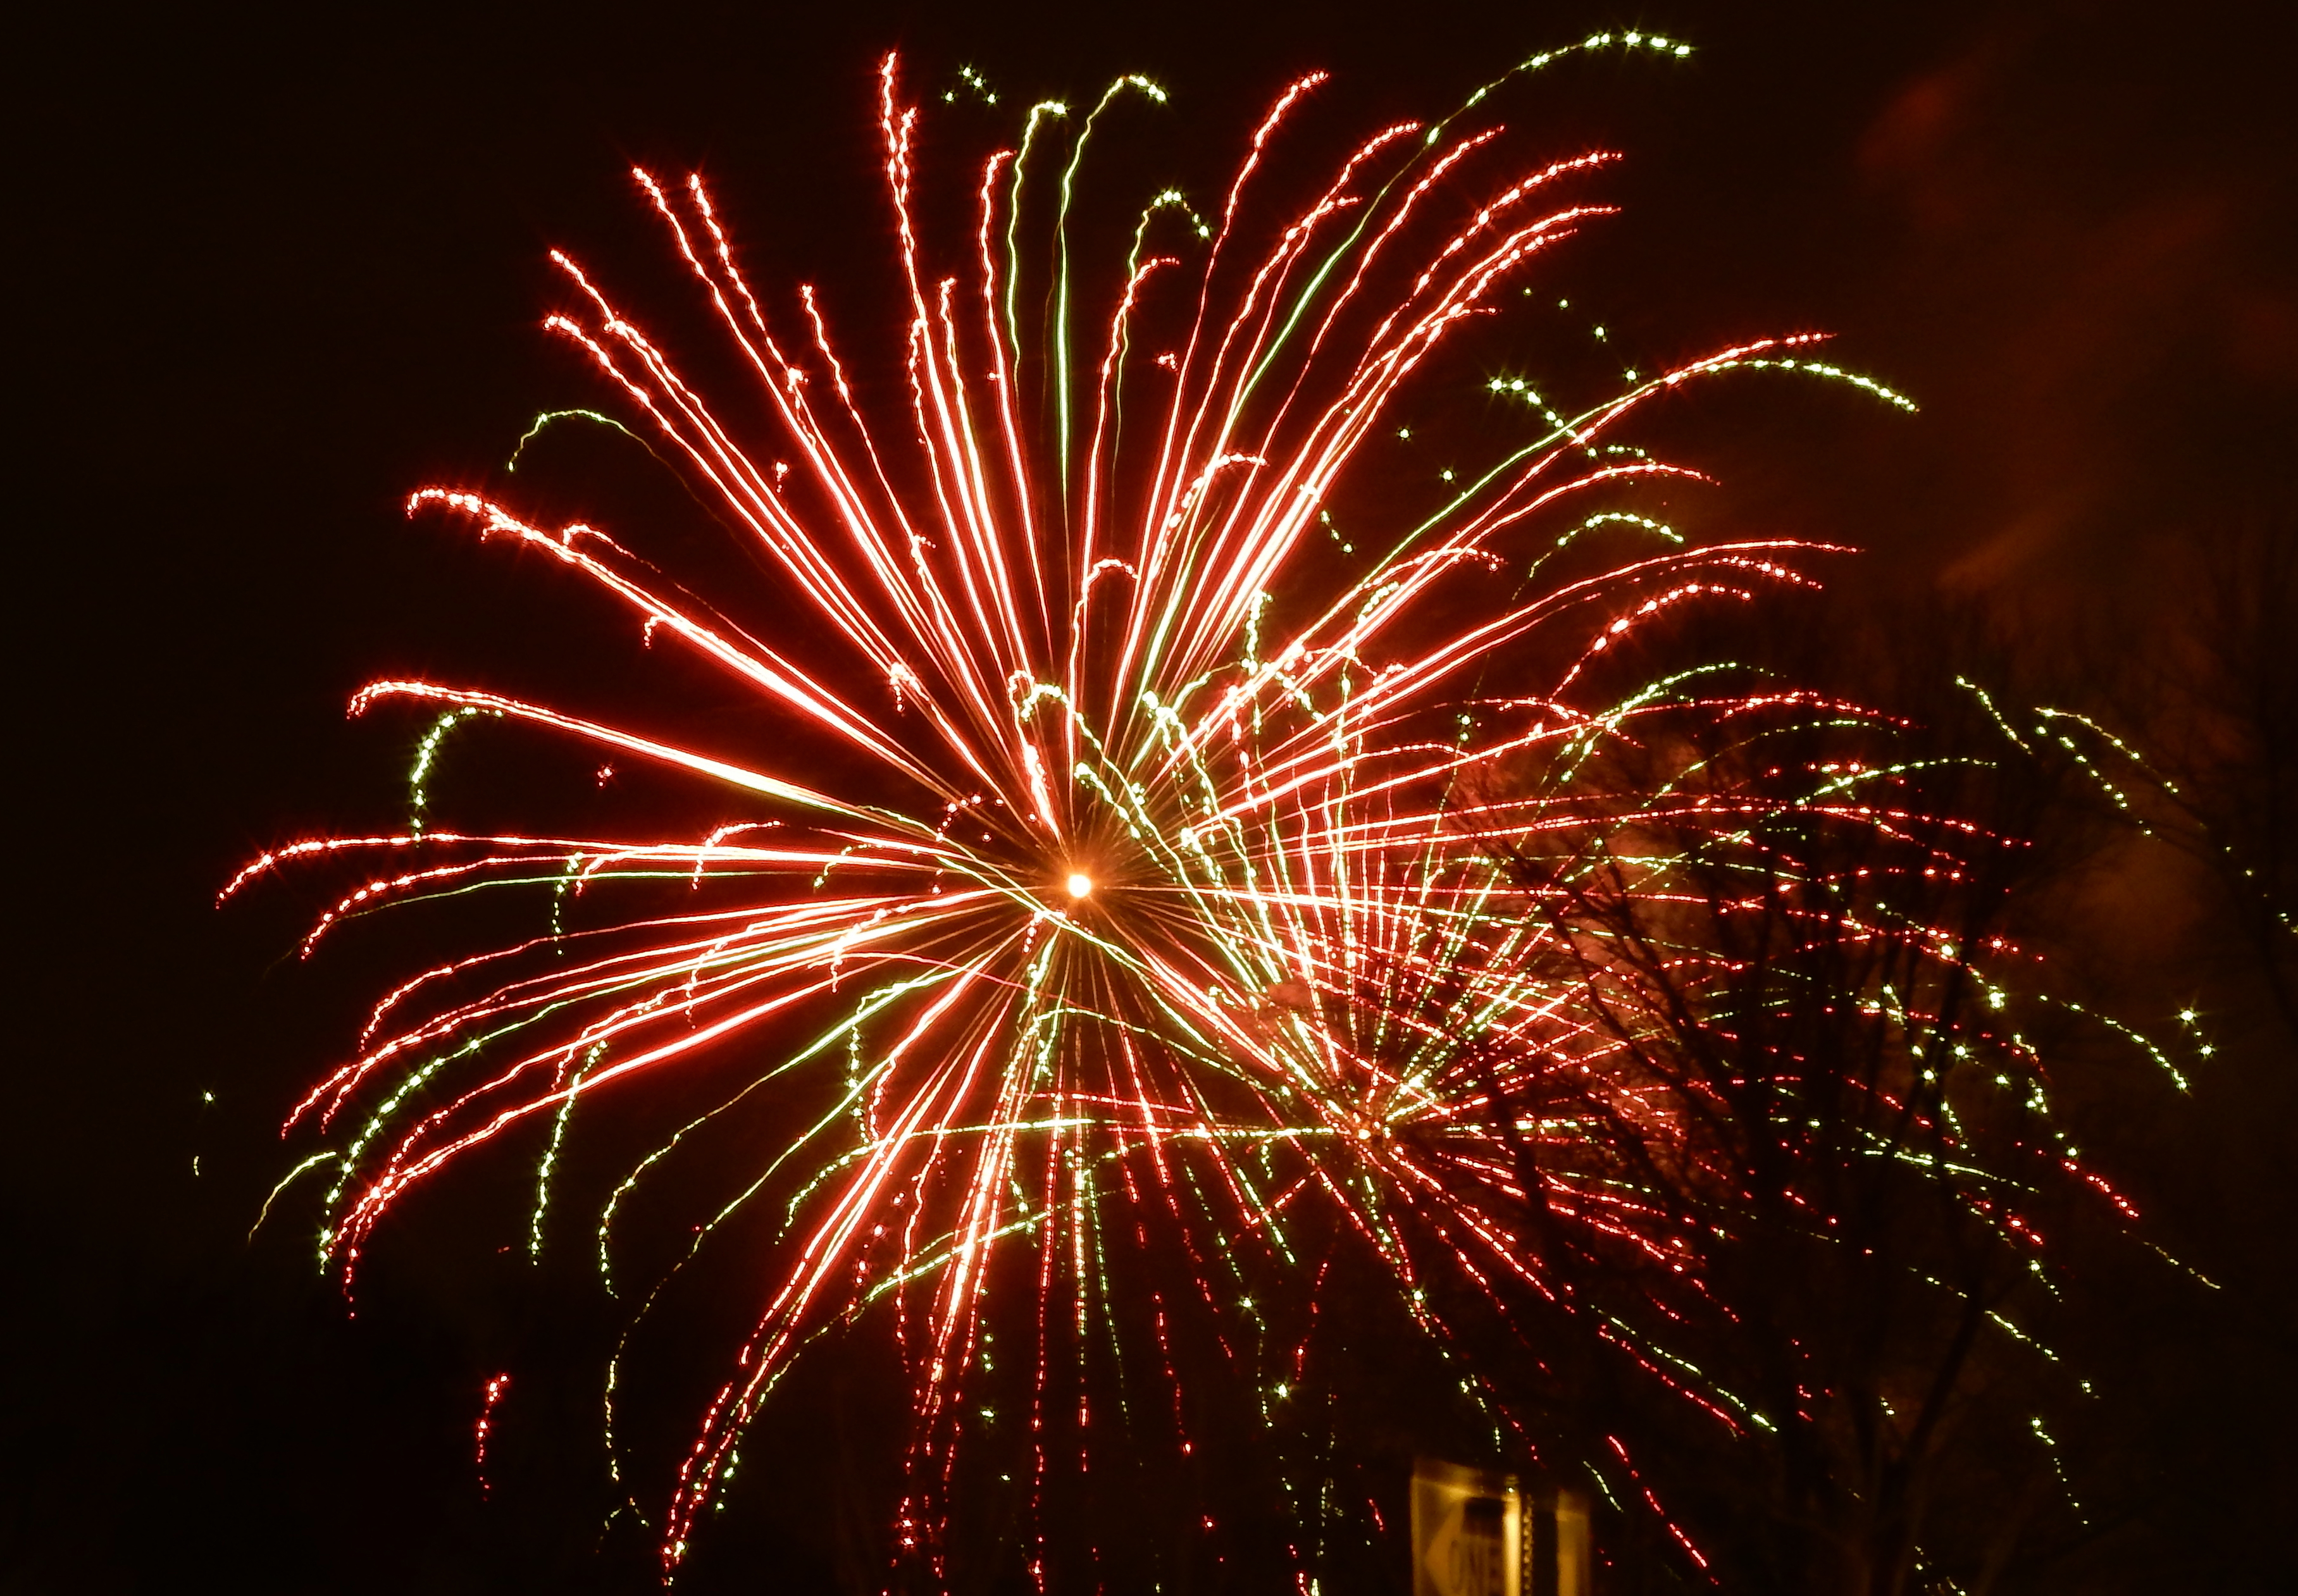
277	270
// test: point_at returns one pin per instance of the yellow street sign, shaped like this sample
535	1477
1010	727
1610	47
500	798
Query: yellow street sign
1467	1532
1476	1532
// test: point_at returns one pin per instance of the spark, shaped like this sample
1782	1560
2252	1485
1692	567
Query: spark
495	1389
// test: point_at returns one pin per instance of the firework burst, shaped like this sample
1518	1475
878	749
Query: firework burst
1165	929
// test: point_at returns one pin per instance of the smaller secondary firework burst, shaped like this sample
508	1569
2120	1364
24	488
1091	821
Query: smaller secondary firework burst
1170	949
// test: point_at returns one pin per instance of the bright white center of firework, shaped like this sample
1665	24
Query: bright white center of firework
1080	885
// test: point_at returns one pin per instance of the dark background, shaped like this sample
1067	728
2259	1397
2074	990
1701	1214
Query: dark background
274	270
